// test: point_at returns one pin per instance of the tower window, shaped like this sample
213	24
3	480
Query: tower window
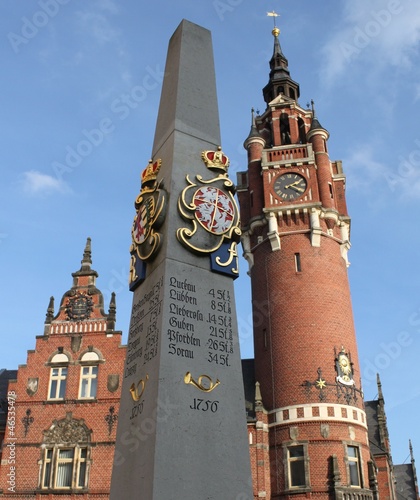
331	190
292	94
302	131
298	265
353	458
285	129
296	467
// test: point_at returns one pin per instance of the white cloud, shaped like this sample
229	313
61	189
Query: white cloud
382	33
108	5
401	179
98	26
95	21
37	183
362	160
98	21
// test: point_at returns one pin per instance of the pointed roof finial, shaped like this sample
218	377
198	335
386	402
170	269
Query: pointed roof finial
112	305
258	397
112	313
253	133
50	311
85	269
276	32
378	381
87	255
315	122
313	108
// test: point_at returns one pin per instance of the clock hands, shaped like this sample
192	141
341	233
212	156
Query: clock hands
295	186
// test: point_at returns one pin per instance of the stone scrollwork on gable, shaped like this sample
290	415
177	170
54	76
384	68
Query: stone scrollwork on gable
67	431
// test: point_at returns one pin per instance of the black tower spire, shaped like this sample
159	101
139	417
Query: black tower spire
280	82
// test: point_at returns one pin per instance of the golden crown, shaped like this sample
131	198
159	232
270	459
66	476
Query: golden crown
151	171
215	160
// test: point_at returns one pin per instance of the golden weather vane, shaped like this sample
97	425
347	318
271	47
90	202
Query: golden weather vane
274	14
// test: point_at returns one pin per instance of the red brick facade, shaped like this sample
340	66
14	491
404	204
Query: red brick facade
60	439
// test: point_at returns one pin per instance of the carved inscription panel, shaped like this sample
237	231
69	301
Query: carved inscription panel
183	332
200	323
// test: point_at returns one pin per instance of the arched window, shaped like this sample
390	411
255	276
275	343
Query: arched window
89	375
66	451
302	131
285	129
58	376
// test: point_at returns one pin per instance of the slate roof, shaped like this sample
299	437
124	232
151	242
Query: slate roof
405	479
371	408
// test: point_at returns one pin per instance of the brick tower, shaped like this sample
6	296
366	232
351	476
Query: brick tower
64	403
296	238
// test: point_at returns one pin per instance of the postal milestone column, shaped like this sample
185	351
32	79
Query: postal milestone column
182	426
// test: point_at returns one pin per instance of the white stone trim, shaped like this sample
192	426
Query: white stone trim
355	416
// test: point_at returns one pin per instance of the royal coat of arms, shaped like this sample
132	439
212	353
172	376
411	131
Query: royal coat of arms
210	208
150	214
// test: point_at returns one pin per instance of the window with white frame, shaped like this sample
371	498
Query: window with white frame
353	457
58	376
88	382
64	468
88	375
297	472
65	456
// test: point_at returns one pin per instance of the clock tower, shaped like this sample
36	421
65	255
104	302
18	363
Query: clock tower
296	238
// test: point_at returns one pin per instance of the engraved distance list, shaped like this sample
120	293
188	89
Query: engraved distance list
215	340
143	342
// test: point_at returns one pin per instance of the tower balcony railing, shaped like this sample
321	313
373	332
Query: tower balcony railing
299	153
343	493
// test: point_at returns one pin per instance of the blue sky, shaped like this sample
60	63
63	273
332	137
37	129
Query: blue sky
86	76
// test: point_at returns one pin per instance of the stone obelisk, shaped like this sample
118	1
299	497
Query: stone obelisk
182	426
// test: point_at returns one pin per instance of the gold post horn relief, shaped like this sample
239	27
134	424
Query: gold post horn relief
137	390
204	383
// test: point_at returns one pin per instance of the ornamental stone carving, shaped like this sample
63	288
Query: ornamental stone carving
67	431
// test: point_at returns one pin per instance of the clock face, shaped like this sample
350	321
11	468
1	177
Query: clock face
290	186
79	307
